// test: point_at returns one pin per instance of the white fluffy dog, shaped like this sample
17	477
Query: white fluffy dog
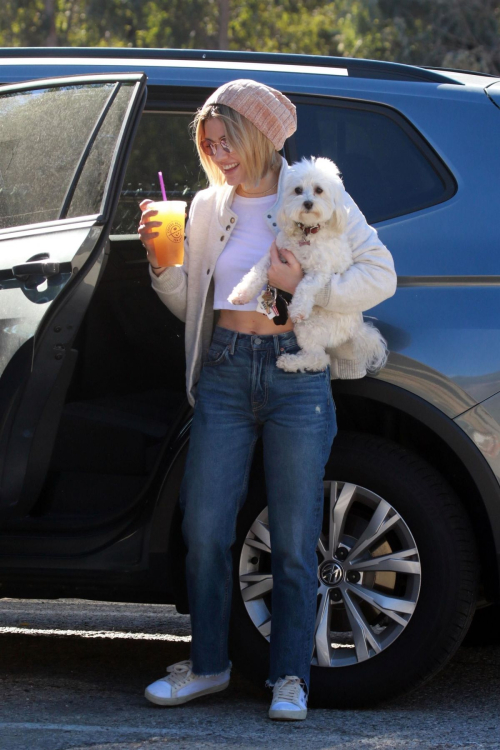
313	219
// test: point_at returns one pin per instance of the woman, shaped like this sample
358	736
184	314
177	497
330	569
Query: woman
239	394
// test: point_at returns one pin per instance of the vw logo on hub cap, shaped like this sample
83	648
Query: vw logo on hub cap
331	573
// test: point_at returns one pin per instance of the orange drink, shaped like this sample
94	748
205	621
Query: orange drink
169	246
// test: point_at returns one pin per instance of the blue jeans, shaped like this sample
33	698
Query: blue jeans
243	395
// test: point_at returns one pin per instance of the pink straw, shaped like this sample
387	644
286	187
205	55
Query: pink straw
162	185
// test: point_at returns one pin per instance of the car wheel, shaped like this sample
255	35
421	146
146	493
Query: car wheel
397	576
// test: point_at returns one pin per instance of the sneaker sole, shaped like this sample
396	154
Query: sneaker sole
185	698
288	715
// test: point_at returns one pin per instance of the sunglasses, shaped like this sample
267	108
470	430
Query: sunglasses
210	147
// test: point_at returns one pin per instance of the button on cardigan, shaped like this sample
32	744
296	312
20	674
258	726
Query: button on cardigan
188	291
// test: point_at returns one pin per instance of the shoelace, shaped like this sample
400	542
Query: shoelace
179	674
288	689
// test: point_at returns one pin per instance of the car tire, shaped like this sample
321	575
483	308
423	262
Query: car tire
417	644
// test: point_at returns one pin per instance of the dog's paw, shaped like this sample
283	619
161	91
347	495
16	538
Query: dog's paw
288	362
297	313
304	361
239	297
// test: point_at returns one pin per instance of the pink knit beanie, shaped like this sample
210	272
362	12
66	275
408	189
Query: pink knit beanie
269	110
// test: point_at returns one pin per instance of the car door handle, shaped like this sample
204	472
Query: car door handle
41	268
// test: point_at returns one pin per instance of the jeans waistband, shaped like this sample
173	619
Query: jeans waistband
276	341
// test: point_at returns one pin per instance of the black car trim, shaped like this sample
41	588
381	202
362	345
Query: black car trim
173	98
458	70
8	274
406	281
356	67
450	185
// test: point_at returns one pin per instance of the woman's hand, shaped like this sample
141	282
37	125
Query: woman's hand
147	232
284	274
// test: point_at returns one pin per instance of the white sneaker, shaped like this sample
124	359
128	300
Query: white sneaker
289	700
181	685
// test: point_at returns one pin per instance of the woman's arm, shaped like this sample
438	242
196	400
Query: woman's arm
169	283
370	280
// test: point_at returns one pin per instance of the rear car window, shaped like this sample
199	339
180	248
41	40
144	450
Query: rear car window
386	167
56	148
162	143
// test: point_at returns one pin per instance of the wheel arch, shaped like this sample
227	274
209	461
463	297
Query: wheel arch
379	408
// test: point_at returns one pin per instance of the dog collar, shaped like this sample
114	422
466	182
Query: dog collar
308	230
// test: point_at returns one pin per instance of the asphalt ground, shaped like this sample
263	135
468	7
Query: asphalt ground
73	675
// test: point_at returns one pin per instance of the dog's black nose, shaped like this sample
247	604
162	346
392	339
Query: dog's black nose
308	205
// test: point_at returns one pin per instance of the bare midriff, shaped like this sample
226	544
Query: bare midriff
246	321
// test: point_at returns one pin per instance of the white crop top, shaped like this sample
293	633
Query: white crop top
250	240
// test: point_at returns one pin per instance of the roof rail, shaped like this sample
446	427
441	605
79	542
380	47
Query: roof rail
460	70
356	68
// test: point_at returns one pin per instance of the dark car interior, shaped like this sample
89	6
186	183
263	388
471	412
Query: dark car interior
127	388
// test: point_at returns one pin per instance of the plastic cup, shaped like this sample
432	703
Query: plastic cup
169	246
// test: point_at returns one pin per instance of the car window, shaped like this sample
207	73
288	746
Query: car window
385	167
56	147
163	143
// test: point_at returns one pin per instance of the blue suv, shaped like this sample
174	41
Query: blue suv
94	423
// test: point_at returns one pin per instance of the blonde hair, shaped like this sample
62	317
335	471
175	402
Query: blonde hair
255	150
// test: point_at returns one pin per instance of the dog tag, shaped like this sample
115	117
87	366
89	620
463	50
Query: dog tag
264	302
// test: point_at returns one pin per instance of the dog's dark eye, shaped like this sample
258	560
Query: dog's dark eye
318	190
298	190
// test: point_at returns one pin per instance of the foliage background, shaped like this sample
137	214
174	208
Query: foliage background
449	33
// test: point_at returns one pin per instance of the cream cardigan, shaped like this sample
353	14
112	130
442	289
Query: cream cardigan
188	291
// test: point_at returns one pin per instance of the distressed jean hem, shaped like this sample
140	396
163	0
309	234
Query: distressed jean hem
214	674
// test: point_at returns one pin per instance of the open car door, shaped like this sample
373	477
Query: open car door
64	145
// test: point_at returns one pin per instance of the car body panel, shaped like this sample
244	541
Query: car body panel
448	335
423	381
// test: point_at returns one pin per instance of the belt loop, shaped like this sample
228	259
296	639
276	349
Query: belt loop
233	341
276	341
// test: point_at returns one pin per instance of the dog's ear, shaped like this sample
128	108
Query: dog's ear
338	221
339	217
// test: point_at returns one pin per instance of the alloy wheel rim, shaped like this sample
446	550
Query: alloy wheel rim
369	576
